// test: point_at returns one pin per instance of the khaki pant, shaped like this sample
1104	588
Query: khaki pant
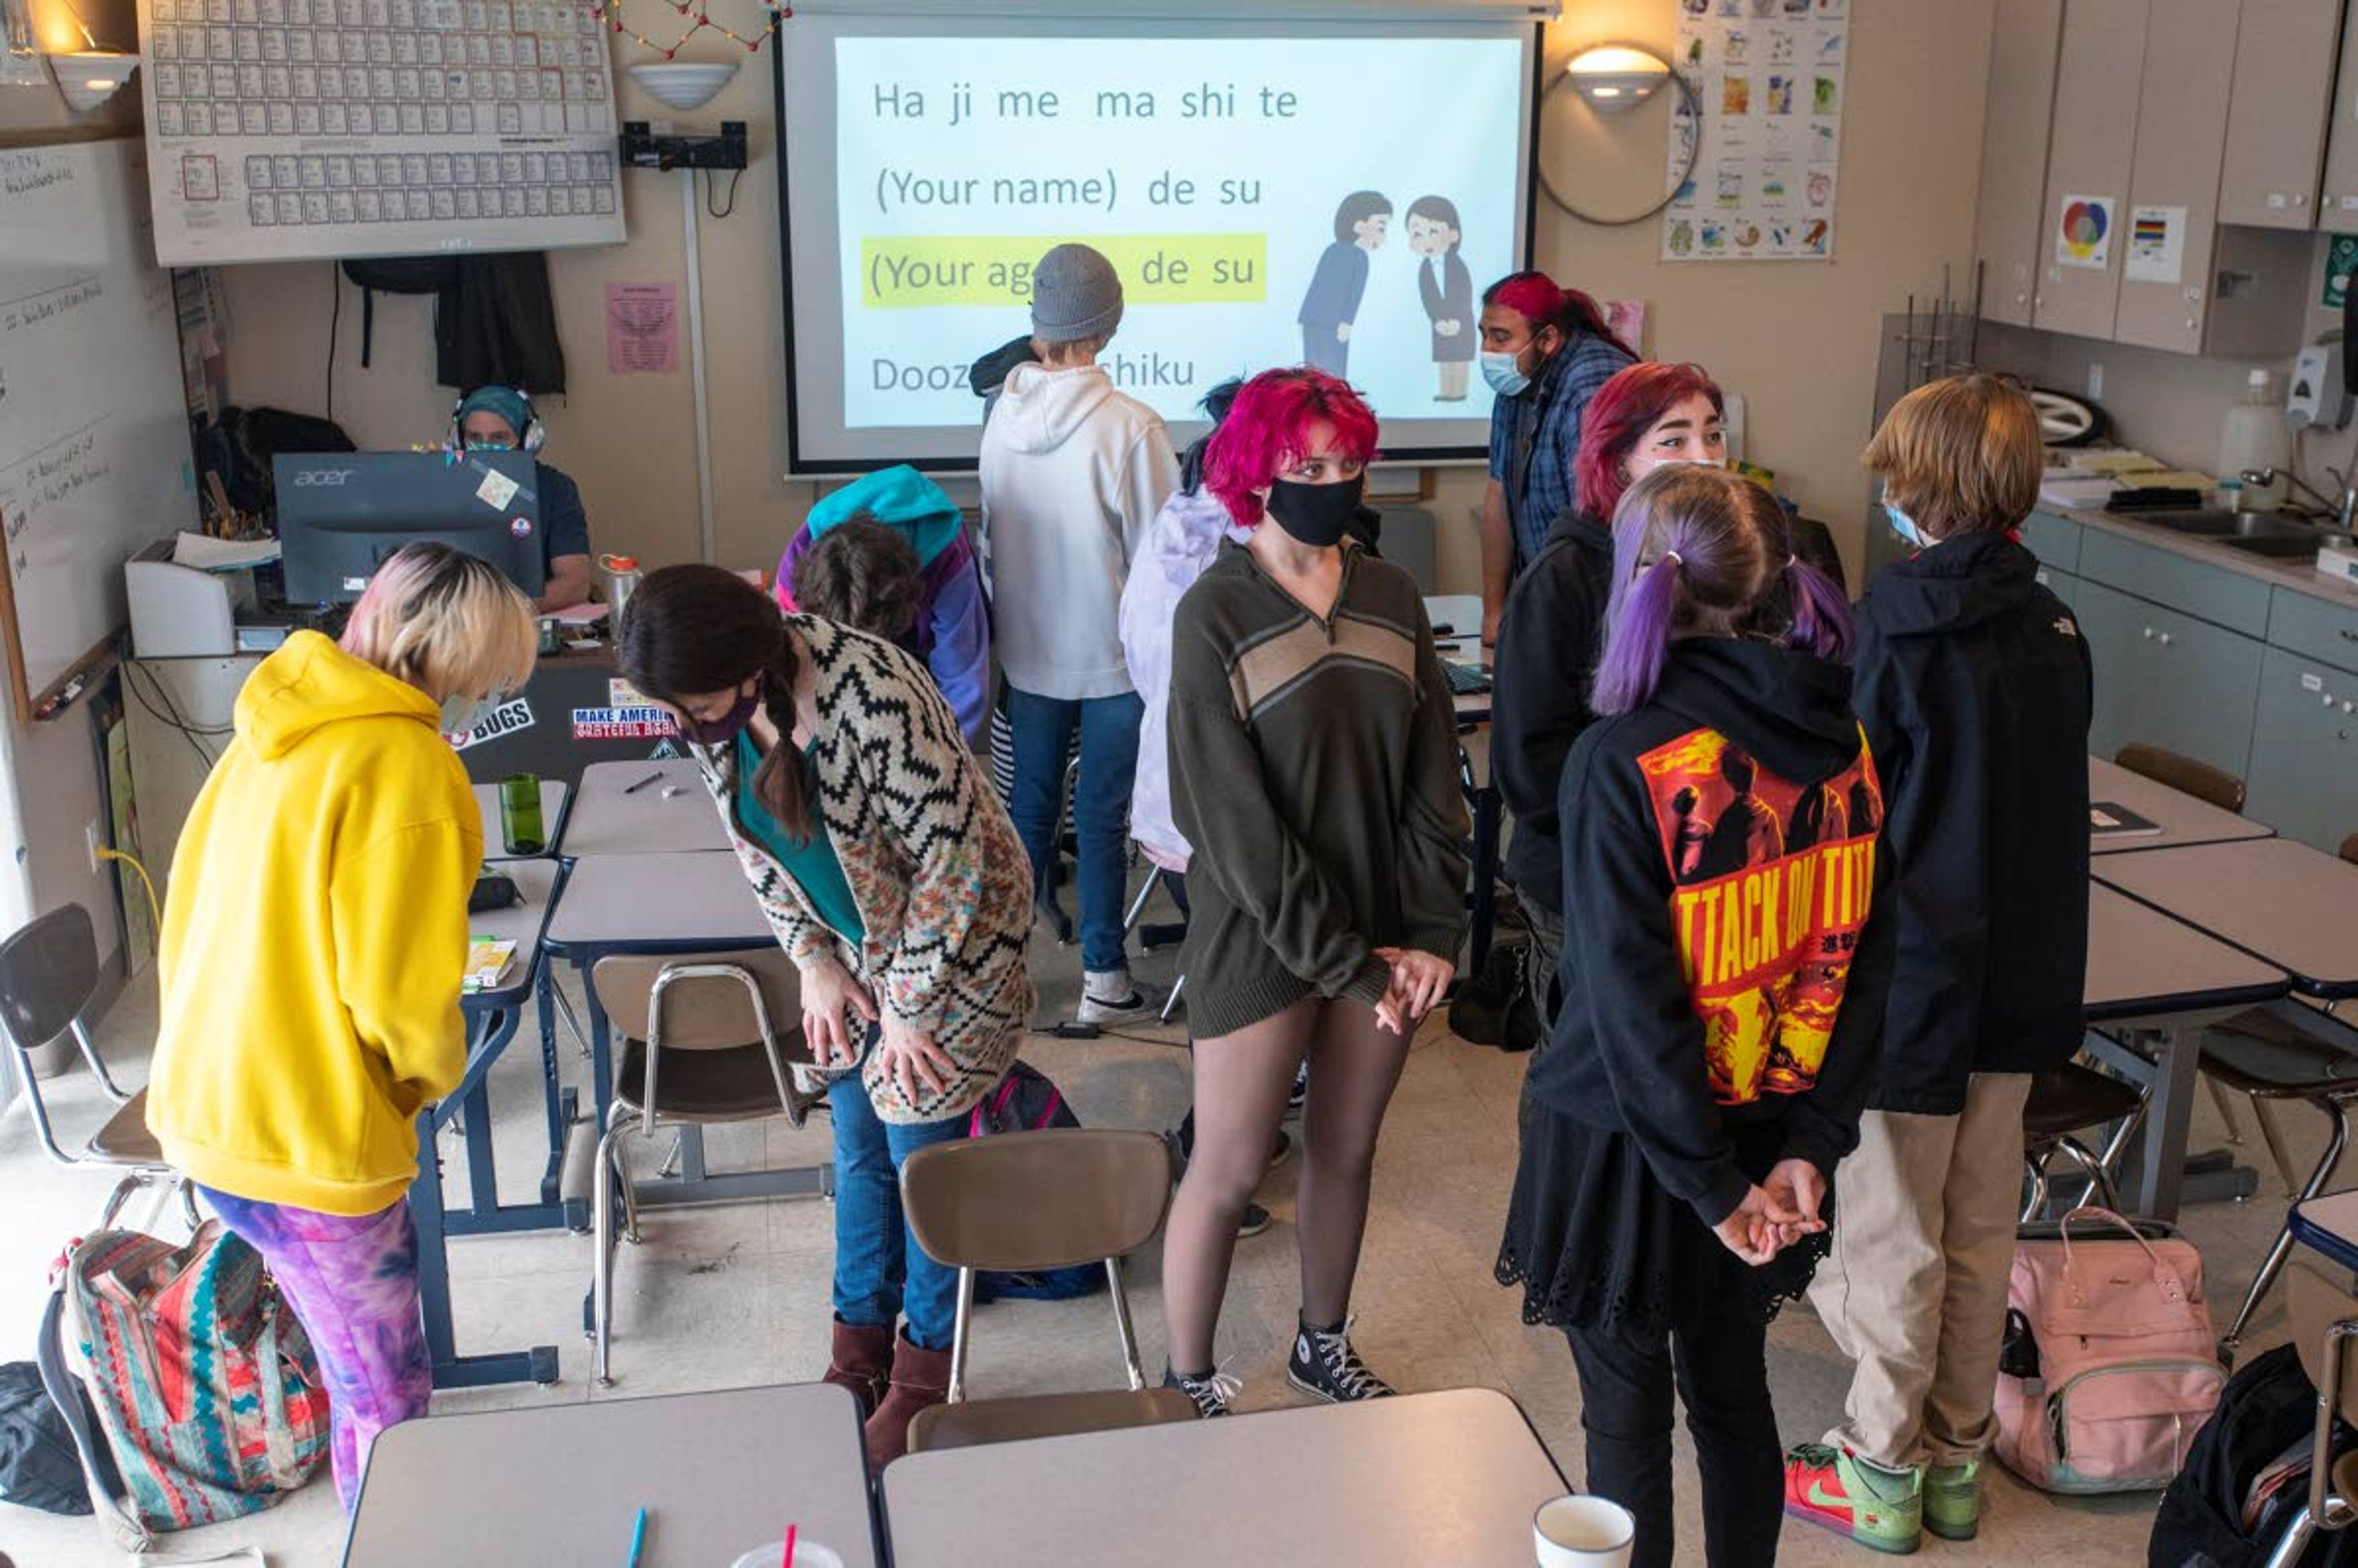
1914	1290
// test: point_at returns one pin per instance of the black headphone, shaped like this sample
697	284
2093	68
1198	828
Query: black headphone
531	438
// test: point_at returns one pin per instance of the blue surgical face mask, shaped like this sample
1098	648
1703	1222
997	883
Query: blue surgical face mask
460	713
1504	371
1905	526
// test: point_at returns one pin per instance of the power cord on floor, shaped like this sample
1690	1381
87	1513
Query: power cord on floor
154	908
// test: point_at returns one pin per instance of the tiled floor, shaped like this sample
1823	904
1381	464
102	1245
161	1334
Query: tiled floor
724	1297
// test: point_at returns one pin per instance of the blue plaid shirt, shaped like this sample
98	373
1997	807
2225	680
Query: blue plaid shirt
1534	435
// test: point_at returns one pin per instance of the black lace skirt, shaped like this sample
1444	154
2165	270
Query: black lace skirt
1593	1238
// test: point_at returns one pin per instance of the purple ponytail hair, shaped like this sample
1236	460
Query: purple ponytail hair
1687	537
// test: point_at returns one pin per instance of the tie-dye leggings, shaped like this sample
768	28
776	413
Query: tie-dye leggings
352	1282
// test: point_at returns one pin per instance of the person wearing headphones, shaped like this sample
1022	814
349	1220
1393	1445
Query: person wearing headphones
502	419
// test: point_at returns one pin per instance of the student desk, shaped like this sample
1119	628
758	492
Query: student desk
2329	1225
492	1020
556	796
610	818
718	1473
2182	818
1422	1478
691	901
2147	969
2278	900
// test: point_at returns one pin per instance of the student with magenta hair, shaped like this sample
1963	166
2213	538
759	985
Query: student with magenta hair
1314	773
1546	350
1648	415
315	933
1718	1032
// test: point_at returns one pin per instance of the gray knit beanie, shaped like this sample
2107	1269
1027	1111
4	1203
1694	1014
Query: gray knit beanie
1076	294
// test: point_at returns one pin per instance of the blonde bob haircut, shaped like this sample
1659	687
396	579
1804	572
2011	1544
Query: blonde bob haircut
446	623
1960	456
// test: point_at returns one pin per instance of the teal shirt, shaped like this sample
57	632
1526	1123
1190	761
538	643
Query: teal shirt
814	865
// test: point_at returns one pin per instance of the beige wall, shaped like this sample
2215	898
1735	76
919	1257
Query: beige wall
1798	338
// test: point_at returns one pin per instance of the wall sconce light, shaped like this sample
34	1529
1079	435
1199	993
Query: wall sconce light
88	78
1616	78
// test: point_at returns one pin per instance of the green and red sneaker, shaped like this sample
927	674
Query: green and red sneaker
1837	1490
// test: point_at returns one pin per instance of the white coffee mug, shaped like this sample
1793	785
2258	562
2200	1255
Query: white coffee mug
1576	1531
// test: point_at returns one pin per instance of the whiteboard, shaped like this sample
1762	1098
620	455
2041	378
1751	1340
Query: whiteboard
94	460
287	129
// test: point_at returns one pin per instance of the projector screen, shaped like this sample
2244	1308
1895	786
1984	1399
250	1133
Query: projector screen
1269	190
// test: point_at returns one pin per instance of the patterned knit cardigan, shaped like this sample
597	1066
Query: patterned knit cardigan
940	878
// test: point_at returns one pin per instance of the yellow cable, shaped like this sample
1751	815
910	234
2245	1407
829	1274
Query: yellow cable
153	907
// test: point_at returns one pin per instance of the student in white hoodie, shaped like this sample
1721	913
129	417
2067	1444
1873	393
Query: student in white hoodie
1073	472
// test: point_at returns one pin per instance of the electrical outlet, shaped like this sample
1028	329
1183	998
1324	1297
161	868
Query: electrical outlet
2095	383
93	841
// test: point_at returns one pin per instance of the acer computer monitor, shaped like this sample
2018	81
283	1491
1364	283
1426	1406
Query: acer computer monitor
341	514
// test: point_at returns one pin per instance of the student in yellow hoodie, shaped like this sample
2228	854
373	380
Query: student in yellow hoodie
313	942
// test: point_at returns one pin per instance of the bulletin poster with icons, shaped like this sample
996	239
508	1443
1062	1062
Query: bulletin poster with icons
1768	81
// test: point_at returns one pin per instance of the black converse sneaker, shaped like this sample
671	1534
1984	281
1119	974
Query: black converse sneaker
1211	1392
1323	1364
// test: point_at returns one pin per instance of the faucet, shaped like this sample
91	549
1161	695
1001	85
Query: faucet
2342	510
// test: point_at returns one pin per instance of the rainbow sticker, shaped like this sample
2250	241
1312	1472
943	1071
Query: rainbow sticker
2083	232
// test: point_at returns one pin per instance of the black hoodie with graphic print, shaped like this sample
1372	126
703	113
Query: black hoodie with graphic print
1974	687
1728	929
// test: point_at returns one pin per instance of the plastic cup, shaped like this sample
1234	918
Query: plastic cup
808	1555
520	827
1576	1531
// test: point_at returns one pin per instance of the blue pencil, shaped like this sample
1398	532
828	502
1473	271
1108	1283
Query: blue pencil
638	1538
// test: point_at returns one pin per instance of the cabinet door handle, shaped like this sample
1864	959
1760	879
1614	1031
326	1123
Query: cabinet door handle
2165	639
2349	633
2149	634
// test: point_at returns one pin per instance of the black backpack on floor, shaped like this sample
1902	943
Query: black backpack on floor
2269	1406
39	1466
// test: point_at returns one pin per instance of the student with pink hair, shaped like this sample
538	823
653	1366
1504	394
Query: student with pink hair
1313	771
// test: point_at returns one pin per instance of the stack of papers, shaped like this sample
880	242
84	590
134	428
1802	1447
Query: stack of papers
487	961
2071	492
579	614
206	554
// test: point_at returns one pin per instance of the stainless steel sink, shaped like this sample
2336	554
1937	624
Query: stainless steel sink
2228	526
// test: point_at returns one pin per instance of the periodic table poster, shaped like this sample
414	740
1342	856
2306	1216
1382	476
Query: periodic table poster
292	129
1768	81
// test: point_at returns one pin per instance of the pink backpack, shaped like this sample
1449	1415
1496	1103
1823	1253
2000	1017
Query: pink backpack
2111	1367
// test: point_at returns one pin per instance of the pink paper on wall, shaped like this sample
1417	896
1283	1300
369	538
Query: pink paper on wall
641	328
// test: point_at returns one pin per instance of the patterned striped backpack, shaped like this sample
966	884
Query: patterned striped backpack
206	1388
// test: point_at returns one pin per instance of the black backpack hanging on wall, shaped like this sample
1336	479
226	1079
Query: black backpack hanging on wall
395	274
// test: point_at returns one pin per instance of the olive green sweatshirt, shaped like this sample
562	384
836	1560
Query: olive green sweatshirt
1313	768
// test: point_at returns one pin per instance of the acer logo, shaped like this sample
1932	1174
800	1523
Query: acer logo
309	478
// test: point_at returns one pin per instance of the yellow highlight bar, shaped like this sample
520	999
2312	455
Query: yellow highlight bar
908	272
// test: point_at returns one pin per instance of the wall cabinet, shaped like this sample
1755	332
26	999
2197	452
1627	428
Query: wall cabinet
2338	208
2092	142
2011	215
2137	113
2279	107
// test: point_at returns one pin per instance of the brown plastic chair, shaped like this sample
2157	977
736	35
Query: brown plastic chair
1027	1202
48	976
2184	774
705	1039
2064	1103
2324	1322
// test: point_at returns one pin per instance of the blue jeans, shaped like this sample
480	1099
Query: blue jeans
1043	729
881	1272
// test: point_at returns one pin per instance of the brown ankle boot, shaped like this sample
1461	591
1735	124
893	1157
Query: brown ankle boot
862	1362
921	1379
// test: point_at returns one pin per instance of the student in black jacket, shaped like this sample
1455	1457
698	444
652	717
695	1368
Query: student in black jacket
1646	415
1717	1036
1974	687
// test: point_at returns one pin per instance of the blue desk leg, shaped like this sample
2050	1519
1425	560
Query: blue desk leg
452	1371
559	1098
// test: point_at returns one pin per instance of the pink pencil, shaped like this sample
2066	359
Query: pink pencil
788	1560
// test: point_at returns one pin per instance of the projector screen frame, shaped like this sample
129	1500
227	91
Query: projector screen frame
803	465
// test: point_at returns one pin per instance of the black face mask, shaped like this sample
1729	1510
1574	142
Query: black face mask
1317	514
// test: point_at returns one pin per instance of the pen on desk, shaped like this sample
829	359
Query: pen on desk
638	1538
651	778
